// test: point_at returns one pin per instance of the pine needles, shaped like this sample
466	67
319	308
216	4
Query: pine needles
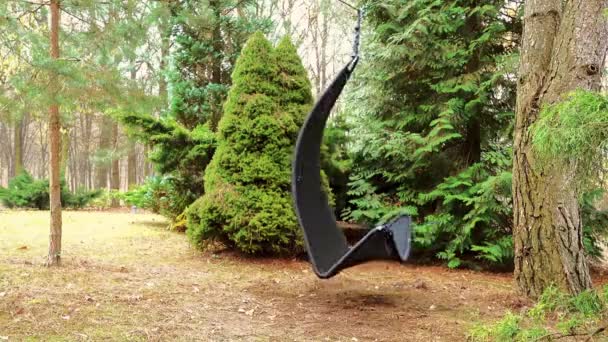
574	132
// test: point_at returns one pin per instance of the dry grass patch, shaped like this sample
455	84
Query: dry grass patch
125	277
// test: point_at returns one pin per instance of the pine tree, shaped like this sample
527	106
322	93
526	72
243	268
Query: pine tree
207	44
548	227
54	256
248	202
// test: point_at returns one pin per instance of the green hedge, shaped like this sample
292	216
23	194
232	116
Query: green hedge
26	192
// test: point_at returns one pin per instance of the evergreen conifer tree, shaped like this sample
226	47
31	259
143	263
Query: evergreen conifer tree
432	115
207	44
247	203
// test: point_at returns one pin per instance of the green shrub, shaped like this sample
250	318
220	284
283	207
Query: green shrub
26	192
148	195
507	328
247	202
555	315
180	154
336	161
79	199
106	199
595	222
160	194
432	138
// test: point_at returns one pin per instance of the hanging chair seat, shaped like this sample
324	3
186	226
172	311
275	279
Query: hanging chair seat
326	245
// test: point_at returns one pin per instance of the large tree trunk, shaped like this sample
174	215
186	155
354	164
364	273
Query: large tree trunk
54	256
563	49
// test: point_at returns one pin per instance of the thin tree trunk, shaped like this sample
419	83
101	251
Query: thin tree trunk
105	138
115	175
18	146
83	154
10	153
563	49
132	155
148	168
132	165
324	41
88	122
44	153
5	149
165	46
216	70
54	256
65	149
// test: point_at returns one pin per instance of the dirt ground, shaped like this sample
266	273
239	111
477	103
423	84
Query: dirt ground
124	277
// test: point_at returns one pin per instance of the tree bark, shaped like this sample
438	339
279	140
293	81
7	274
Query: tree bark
44	151
54	256
165	48
18	145
132	165
148	169
115	176
85	161
65	149
563	49
216	69
105	138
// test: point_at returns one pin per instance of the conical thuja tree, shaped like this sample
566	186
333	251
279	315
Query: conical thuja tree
248	203
295	97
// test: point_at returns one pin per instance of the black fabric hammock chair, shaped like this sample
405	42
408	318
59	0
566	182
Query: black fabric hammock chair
327	246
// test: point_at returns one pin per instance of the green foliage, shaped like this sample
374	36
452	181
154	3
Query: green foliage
595	222
551	300
556	315
575	132
432	110
181	155
79	199
247	204
149	195
107	199
160	195
208	37
26	192
507	328
336	162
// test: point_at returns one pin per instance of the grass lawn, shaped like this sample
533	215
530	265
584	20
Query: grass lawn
124	277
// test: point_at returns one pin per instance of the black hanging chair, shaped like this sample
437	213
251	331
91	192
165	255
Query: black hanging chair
327	247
